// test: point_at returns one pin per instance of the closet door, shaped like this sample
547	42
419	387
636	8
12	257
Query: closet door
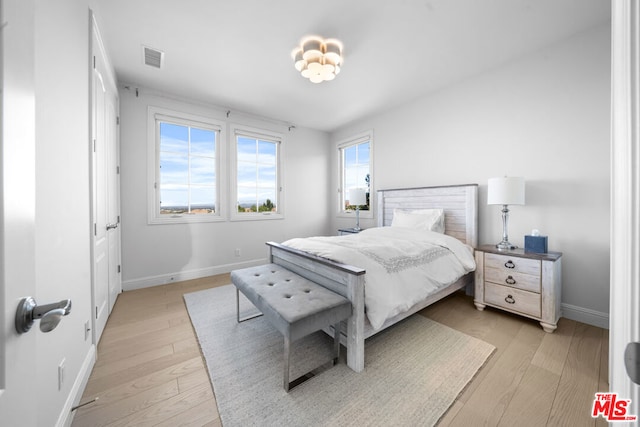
107	283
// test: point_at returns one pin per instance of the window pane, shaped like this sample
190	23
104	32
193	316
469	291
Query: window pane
187	170
267	200
257	175
266	176
174	199
174	138
356	171
361	176
350	178
203	170
203	142
363	153
246	149
203	199
267	152
350	156
247	199
173	168
246	174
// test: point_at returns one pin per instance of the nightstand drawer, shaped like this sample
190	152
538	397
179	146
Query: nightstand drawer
514	279
511	264
513	299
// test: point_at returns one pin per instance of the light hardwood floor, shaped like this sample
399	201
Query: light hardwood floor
150	372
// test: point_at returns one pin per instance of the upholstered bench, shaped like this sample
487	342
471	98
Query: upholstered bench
295	306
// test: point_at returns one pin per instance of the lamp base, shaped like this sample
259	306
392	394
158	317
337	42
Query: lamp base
505	246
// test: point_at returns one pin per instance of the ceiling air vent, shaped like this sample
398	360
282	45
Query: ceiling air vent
152	57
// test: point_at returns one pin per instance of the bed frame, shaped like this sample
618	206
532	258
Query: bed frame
460	204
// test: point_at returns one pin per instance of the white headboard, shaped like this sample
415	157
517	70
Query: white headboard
460	204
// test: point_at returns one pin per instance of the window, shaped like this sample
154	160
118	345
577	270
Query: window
256	186
185	168
355	172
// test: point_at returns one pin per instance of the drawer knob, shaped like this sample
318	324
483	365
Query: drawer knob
509	264
510	280
509	300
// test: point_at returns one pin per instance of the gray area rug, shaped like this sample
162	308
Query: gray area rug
413	371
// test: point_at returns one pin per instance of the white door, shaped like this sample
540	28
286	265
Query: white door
100	240
106	188
17	209
113	196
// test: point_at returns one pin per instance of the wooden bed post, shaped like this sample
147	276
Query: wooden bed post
355	324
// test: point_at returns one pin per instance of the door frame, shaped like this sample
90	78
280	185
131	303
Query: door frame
624	319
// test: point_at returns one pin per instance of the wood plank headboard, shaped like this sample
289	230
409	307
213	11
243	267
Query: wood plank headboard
460	204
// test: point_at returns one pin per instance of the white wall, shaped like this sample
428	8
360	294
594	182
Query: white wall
63	266
157	254
545	117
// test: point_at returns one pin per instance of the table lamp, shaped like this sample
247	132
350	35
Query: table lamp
505	191
357	197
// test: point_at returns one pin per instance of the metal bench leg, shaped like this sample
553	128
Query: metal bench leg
287	360
288	385
238	310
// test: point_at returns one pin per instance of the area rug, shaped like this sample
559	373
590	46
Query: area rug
413	371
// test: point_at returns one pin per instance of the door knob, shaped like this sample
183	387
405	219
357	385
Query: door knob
632	361
48	314
111	226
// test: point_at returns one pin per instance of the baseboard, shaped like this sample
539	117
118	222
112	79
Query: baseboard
585	315
163	279
573	312
66	416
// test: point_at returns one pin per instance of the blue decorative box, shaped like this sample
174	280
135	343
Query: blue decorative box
536	244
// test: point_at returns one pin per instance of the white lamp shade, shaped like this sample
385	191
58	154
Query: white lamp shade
357	196
506	191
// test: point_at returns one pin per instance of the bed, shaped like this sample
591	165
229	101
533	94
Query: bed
460	206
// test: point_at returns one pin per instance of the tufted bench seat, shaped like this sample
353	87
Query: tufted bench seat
295	306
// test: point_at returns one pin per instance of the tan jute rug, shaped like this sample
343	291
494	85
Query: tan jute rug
413	371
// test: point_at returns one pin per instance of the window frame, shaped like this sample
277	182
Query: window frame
237	130
341	145
155	115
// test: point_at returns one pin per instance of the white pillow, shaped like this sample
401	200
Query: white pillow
422	219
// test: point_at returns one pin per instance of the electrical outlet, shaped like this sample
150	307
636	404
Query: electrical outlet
238	252
61	374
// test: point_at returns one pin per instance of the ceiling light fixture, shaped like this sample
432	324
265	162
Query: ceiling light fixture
317	59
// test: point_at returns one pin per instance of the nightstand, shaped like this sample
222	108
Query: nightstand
525	283
344	231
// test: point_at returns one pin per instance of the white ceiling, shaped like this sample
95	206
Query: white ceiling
236	53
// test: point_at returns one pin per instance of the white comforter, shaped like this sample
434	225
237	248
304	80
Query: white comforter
403	265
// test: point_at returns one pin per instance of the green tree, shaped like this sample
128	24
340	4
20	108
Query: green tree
267	206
